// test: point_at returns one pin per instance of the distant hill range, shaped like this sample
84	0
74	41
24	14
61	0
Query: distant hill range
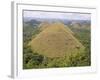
55	40
64	21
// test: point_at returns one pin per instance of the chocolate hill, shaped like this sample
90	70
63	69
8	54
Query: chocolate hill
55	40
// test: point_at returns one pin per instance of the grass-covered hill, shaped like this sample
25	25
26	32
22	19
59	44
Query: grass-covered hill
55	40
56	44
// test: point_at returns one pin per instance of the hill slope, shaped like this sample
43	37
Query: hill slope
56	40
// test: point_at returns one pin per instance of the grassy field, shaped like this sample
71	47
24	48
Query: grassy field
49	45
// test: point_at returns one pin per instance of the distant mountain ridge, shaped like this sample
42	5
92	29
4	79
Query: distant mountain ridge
65	21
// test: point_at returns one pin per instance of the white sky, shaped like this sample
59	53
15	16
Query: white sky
57	15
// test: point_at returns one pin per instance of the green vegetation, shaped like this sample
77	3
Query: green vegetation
55	45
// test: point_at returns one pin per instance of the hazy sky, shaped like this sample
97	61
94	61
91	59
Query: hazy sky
57	15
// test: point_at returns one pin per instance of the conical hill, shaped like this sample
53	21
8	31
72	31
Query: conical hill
56	40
